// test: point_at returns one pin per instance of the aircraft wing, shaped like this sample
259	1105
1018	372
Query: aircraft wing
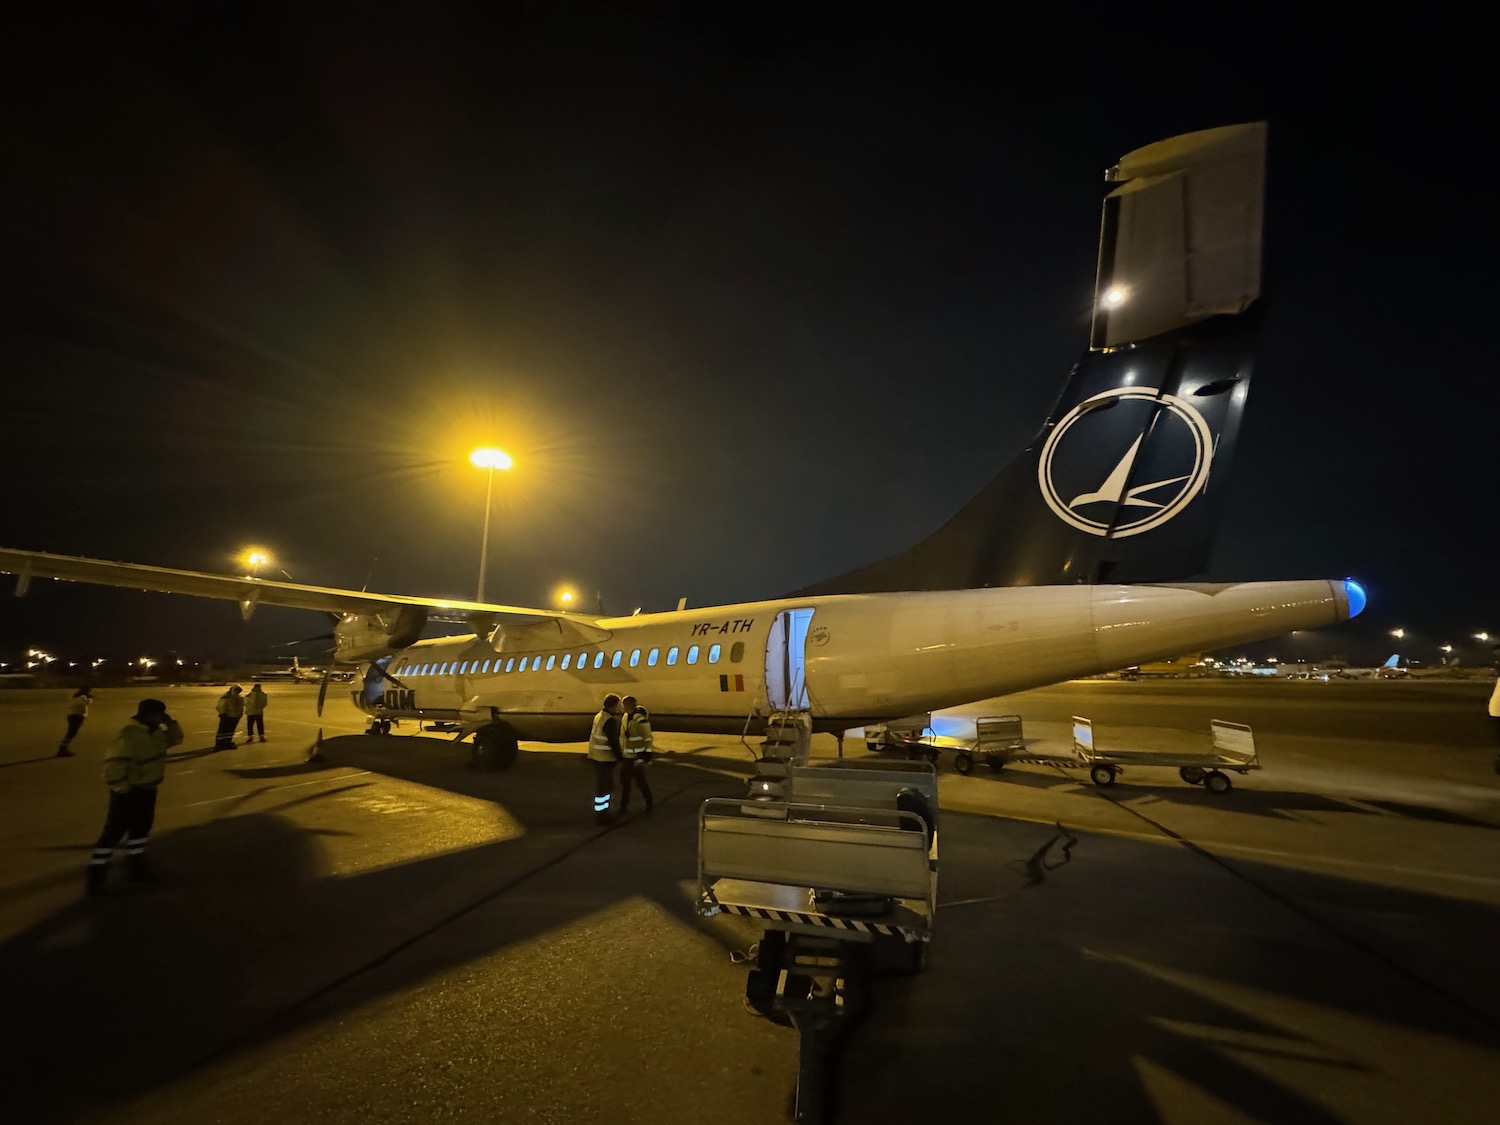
250	592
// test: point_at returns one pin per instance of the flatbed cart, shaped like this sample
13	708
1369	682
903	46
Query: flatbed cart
1233	751
843	875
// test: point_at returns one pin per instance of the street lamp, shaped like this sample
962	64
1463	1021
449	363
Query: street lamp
488	459
256	559
1398	633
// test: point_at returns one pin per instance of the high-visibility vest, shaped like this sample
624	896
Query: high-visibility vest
637	737
255	702
137	758
231	705
599	747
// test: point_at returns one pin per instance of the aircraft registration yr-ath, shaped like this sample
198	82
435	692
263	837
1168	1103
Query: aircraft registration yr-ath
1072	561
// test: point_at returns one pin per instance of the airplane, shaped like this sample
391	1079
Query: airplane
295	673
1074	560
1390	670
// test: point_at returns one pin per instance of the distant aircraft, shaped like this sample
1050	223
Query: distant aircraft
1070	562
1390	670
295	673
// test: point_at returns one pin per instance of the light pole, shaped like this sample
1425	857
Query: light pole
489	459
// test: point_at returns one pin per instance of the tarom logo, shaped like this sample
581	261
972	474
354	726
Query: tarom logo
1107	504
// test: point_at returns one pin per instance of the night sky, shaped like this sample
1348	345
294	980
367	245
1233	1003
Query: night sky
751	298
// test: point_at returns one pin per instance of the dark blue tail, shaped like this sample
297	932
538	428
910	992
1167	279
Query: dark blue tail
1125	481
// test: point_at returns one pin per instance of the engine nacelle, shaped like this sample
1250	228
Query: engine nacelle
369	636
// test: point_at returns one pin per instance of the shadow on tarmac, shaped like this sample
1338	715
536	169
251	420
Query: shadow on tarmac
1044	993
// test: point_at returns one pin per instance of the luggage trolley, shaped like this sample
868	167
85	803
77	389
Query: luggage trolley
997	739
1233	750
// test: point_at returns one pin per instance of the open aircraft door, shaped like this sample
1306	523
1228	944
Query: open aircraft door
786	661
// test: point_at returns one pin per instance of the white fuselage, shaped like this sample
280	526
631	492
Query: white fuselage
865	657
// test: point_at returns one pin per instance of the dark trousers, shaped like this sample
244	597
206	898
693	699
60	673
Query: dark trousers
225	738
74	722
604	784
255	724
130	817
632	773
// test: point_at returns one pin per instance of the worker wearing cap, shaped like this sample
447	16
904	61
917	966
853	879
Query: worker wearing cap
230	707
604	752
78	710
636	745
255	713
134	767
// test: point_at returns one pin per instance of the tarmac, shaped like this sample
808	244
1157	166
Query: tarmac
387	936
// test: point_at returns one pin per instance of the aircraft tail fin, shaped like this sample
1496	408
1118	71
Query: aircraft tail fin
1392	660
1115	487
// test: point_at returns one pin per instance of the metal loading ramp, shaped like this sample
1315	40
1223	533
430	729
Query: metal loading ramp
842	875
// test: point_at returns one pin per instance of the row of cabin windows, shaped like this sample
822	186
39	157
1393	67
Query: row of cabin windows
563	662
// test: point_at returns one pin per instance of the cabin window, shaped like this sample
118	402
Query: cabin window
485	671
614	661
583	659
599	659
524	659
693	655
551	660
510	662
635	657
671	656
651	657
737	652
463	669
567	659
713	654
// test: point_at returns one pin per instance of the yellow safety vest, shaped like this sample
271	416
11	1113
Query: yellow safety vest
138	757
599	748
637	737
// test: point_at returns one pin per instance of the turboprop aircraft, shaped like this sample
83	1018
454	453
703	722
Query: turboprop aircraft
1070	562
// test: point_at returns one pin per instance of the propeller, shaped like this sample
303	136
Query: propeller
323	688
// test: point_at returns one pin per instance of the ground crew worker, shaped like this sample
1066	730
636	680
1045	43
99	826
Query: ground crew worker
136	763
78	710
636	745
604	752
255	713
230	707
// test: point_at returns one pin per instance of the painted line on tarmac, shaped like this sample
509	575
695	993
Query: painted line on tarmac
1299	859
1311	915
272	789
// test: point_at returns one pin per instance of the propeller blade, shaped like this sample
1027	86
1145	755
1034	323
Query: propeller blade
323	689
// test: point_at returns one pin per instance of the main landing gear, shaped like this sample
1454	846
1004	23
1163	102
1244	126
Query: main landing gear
495	747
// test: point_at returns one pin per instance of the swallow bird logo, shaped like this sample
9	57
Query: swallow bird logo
1078	453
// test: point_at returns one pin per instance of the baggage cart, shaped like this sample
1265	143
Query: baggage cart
1233	751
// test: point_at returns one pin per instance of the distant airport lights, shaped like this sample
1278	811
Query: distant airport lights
564	597
489	459
1398	633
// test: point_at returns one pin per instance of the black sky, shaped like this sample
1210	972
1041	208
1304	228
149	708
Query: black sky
752	298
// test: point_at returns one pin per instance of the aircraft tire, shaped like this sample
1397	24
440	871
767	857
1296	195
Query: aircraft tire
873	747
1217	782
1192	775
995	762
1103	775
496	747
963	763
